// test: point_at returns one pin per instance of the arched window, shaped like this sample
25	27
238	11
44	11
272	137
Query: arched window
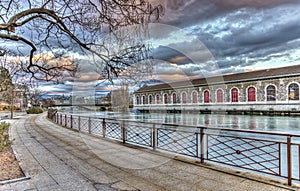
174	98
143	100
165	99
183	95
157	99
206	96
195	95
293	91
251	94
150	99
220	96
271	93
234	95
137	100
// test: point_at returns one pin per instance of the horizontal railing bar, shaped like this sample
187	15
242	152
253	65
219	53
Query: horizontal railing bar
253	139
247	168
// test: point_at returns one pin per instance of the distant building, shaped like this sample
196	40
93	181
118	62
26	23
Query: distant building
264	91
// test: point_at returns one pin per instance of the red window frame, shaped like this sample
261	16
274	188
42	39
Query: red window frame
183	97
206	96
220	96
195	95
165	99
251	94
174	98
234	95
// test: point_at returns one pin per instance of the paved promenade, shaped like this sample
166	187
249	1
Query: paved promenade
57	159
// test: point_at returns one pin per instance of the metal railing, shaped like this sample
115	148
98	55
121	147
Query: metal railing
271	153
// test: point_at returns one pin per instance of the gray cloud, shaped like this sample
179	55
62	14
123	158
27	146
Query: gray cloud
238	34
250	32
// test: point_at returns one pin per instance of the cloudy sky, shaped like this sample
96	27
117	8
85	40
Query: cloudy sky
198	38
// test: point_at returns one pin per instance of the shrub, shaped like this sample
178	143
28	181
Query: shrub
34	110
4	140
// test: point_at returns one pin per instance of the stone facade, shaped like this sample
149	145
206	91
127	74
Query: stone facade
270	92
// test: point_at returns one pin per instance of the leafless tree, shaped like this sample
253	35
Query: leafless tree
13	80
35	95
63	27
120	99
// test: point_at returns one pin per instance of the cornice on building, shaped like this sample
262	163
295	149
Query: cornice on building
274	73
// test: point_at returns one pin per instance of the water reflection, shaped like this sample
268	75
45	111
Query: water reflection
271	123
206	118
235	122
252	122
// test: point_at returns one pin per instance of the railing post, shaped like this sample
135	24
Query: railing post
89	125
79	123
61	119
65	120
197	142
71	121
123	131
289	160
154	137
103	128
299	160
202	145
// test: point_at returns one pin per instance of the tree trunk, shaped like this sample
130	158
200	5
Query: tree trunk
12	111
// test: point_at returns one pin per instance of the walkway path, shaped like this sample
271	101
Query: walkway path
61	159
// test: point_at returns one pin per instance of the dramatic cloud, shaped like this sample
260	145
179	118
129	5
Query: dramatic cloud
231	35
239	34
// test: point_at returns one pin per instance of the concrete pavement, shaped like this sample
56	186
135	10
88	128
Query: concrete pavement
57	159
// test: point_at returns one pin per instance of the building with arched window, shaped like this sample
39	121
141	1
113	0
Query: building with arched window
183	96
271	93
262	91
174	96
220	96
195	97
234	95
150	99
251	96
293	91
158	99
206	96
165	98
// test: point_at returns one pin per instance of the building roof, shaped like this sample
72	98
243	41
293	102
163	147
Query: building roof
288	71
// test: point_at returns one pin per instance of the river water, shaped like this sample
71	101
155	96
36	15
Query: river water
286	124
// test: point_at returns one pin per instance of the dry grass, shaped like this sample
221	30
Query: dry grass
9	166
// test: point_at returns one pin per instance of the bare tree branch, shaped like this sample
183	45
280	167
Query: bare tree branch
75	25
